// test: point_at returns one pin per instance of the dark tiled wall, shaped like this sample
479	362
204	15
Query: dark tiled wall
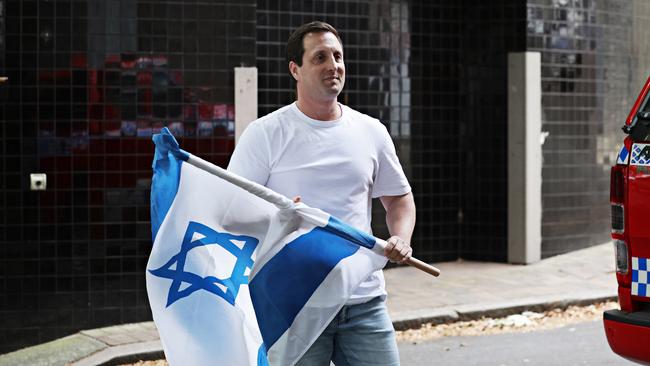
2	37
90	81
594	62
435	66
490	31
459	119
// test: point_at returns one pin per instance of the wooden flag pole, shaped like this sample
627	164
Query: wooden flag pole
414	262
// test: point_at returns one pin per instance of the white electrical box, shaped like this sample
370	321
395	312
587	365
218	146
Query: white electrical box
38	181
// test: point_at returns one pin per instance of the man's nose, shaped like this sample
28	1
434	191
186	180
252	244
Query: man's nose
332	64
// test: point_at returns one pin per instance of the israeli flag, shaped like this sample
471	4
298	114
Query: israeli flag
238	274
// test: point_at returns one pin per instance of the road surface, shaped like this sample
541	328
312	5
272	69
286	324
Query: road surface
575	344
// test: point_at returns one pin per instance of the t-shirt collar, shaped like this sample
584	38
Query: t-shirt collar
318	123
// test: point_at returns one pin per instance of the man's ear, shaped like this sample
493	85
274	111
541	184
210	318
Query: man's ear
293	69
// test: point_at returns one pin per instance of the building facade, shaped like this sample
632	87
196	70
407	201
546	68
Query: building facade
90	81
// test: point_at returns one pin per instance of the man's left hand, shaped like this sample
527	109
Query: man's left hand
397	250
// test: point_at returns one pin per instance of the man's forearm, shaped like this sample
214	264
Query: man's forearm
400	216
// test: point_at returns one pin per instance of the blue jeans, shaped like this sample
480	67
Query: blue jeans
359	335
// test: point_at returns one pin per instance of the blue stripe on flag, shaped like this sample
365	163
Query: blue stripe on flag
356	236
262	360
285	283
166	177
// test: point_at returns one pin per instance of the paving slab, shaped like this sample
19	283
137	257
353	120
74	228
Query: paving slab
59	352
122	354
475	289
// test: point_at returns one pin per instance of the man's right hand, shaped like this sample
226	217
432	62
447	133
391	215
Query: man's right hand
397	250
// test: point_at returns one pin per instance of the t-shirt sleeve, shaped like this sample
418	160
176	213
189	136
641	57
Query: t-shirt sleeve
251	156
390	179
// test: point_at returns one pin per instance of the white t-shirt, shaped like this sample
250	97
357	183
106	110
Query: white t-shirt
337	166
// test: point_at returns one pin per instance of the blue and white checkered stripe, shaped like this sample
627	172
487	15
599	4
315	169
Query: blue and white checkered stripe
623	156
640	277
640	155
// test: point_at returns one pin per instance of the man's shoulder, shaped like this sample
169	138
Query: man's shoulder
272	120
357	114
368	122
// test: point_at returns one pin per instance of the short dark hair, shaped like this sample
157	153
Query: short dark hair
295	46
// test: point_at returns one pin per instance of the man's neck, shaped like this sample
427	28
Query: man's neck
328	111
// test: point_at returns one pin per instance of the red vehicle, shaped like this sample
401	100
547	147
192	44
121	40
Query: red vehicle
628	329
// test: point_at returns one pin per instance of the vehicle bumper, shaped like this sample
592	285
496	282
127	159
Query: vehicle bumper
628	334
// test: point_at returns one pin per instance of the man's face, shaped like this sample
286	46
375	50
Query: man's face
322	74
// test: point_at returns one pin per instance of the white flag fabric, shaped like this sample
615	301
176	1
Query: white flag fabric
233	279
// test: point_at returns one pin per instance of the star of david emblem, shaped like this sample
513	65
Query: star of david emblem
196	235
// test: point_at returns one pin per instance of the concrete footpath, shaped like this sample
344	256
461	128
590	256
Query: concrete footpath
465	290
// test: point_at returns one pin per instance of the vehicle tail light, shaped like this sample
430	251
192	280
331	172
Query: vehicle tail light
617	198
617	184
620	248
618	218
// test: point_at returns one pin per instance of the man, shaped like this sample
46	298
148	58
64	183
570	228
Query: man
336	159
